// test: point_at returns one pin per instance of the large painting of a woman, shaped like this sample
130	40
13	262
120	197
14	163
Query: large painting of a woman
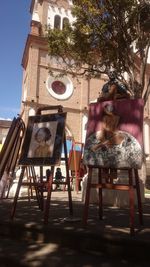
114	134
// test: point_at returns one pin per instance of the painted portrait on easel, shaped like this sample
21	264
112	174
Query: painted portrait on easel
43	140
115	134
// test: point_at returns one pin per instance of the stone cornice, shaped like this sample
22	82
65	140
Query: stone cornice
36	105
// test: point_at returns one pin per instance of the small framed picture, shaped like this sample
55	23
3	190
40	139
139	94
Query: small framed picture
43	140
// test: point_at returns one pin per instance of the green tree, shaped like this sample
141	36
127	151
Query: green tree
105	34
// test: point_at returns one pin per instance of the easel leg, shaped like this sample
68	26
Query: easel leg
48	199
41	197
138	196
17	193
33	175
68	178
29	179
100	194
131	201
69	195
87	197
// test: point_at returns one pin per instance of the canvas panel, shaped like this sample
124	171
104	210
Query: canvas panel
114	136
43	140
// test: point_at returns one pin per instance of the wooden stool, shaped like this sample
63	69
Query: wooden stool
108	183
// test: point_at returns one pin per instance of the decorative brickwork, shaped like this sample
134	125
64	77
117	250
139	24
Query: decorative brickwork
35	74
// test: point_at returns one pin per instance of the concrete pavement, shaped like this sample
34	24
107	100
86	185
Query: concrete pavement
64	242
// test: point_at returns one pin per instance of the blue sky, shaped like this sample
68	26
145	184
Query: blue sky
14	27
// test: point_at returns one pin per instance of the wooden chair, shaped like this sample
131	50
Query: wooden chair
74	163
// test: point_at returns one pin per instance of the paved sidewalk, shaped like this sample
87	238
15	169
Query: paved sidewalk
29	242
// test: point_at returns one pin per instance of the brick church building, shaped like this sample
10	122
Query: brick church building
39	87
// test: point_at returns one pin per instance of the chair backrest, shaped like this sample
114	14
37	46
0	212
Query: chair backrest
75	156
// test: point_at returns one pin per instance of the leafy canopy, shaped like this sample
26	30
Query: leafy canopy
105	34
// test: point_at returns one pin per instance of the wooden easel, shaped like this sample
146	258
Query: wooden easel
9	153
109	184
107	123
45	206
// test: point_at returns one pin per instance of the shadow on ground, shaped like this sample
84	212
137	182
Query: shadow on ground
26	241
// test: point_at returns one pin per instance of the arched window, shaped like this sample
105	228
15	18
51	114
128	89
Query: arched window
65	22
57	21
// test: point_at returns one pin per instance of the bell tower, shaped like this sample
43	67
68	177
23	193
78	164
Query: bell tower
39	87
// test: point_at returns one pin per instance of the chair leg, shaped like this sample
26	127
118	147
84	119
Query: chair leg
138	196
87	197
77	182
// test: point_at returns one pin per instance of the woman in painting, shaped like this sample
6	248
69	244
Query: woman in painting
43	149
109	135
111	147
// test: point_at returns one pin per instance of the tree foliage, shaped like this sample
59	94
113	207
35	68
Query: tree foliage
105	34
